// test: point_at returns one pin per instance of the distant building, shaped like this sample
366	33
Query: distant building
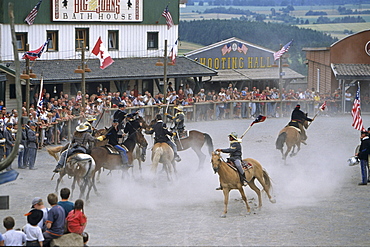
129	29
244	65
341	66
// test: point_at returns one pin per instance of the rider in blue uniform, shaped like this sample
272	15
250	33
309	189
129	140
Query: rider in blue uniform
161	132
113	136
235	151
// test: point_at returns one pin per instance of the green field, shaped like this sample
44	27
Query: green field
335	30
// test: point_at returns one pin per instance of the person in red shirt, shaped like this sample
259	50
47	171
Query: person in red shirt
76	219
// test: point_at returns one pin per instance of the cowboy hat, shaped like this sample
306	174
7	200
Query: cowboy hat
82	128
234	135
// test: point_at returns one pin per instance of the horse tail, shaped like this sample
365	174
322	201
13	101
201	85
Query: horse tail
280	141
209	142
54	150
267	179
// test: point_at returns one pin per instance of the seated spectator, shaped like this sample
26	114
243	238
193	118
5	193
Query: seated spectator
33	232
56	220
76	219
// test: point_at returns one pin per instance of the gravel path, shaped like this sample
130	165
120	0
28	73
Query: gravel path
318	199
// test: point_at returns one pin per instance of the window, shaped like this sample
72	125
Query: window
52	36
152	40
82	36
21	41
112	40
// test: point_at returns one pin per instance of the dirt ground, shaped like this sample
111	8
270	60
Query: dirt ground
318	199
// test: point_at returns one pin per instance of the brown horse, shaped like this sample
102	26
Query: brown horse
194	140
229	179
163	153
82	168
292	138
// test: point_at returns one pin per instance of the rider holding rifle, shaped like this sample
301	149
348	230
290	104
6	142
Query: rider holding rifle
297	119
79	144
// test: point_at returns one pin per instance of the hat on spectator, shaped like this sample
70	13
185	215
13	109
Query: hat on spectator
33	124
99	100
34	216
9	124
36	200
82	128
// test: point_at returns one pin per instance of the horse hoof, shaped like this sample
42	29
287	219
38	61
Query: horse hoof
223	216
248	213
272	200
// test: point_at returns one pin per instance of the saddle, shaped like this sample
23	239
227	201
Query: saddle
297	129
76	157
112	150
246	166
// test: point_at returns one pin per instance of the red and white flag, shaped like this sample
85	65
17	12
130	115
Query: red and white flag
102	53
356	112
173	53
323	106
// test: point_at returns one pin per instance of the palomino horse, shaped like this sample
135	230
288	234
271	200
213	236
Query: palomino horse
82	168
291	136
163	153
229	179
194	140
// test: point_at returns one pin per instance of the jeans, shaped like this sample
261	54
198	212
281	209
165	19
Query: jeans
363	164
123	153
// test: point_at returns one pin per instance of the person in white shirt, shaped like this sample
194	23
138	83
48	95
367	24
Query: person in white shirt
34	236
11	236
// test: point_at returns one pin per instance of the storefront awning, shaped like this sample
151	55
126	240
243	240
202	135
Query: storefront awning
351	71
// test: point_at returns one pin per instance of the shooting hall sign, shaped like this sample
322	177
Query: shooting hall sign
233	54
98	10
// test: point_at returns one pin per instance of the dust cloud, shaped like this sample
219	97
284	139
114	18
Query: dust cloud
315	173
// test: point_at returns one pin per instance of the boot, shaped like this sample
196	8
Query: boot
243	180
58	168
177	158
219	188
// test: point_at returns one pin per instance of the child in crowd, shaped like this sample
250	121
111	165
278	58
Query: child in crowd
33	232
64	203
76	219
12	237
56	220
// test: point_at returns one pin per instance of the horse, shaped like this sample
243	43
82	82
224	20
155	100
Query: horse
82	168
229	179
194	140
291	136
163	153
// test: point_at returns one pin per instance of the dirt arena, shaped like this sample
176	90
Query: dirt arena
318	199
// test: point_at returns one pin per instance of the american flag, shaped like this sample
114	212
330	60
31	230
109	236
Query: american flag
284	49
32	15
242	48
226	49
33	55
356	112
166	14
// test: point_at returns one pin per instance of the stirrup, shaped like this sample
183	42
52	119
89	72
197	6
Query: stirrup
177	158
219	188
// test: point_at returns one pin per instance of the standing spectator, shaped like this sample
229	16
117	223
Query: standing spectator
37	203
2	240
9	141
65	203
32	146
76	219
33	232
188	90
56	220
348	99
11	236
23	151
363	155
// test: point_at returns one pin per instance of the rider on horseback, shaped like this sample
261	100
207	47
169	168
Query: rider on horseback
235	151
120	114
132	127
161	132
79	145
178	119
113	136
297	120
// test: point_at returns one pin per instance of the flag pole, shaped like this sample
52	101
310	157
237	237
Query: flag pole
259	119
321	108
